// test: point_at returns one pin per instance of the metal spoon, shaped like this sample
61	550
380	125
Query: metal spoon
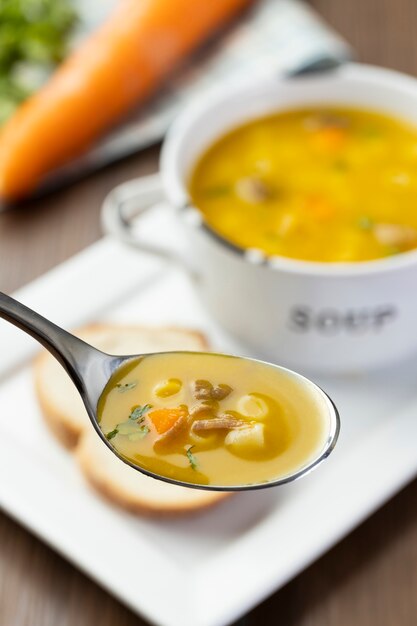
90	370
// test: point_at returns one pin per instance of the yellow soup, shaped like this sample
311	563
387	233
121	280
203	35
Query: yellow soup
328	185
213	419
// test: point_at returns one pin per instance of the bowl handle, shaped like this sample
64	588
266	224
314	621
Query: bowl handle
131	200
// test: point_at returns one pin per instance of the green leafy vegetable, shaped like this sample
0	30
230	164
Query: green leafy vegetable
127	428
112	433
392	250
123	387
217	192
34	37
191	458
134	429
140	434
139	411
365	222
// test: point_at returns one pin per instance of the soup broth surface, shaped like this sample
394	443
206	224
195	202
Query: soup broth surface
319	184
213	419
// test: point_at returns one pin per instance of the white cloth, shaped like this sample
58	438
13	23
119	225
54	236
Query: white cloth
275	36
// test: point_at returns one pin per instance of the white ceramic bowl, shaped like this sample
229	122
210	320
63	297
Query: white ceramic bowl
329	317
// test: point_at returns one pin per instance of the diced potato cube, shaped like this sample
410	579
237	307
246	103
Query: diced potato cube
395	234
202	389
247	438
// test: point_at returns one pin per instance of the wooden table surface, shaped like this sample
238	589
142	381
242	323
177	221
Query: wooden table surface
370	578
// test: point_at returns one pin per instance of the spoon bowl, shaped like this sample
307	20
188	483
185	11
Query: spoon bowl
92	371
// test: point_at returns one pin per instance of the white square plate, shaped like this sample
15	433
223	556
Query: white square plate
247	547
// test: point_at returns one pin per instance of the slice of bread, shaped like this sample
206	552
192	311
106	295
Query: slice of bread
60	402
65	414
132	490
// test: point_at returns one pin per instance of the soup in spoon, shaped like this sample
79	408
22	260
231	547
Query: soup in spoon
215	420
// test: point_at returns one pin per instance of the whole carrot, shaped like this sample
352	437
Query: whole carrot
119	66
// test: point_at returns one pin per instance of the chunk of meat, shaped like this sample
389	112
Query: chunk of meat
206	407
221	392
202	389
222	422
318	121
253	189
395	235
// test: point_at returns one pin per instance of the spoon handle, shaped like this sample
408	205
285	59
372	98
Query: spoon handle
73	353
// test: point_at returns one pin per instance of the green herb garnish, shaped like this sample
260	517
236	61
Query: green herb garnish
127	428
392	250
34	37
191	458
112	433
123	387
140	434
365	222
216	191
133	428
139	411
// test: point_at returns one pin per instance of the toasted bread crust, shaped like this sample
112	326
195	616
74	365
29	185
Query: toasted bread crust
66	432
86	455
138	495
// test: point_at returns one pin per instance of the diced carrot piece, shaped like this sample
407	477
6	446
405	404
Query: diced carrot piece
164	419
329	139
319	208
114	70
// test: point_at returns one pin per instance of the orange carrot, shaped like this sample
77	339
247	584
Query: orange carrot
330	139
320	208
119	66
164	419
